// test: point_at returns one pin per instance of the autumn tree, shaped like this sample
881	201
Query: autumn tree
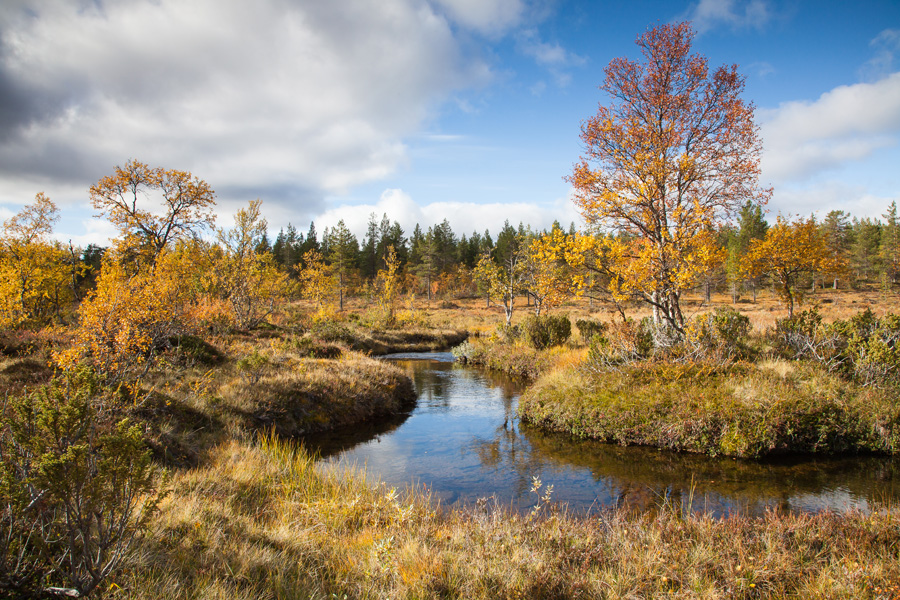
547	276
184	204
317	280
387	283
674	152
248	278
36	274
129	318
503	273
788	252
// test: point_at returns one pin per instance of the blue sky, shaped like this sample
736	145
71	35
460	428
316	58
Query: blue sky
467	110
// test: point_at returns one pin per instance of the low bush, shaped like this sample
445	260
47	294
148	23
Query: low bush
328	330
590	329
865	348
512	357
623	342
718	335
75	490
546	331
306	346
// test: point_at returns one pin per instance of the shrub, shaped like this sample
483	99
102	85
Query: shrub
252	366
864	347
718	335
328	330
308	347
871	353
75	490
624	342
590	329
803	336
547	331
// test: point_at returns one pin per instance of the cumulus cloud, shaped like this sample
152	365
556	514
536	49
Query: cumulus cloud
736	14
464	217
821	198
846	124
298	98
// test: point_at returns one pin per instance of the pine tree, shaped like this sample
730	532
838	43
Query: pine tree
890	244
343	249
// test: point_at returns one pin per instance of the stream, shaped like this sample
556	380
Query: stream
463	441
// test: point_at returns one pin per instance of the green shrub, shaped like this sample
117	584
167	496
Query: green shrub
191	350
308	347
515	357
546	331
331	331
720	334
252	366
871	353
75	490
804	336
590	329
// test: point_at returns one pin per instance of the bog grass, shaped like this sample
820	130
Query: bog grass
745	410
252	516
264	520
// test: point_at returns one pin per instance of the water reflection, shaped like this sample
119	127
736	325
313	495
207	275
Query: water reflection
464	442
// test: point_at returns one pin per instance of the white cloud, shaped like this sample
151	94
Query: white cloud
736	14
846	124
93	231
553	57
464	217
291	100
886	46
485	16
821	198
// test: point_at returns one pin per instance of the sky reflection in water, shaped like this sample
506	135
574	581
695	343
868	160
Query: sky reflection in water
463	441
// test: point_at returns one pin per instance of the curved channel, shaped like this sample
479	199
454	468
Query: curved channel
463	441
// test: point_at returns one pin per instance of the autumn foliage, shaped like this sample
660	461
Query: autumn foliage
673	153
128	320
35	273
789	250
153	207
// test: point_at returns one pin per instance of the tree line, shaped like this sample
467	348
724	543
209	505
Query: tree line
44	278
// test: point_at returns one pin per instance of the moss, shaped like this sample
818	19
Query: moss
742	410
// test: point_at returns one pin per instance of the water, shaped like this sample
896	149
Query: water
464	442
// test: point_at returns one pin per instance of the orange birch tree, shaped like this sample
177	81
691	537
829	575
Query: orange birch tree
126	198
674	152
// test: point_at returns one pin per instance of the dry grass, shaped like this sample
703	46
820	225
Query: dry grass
266	522
262	520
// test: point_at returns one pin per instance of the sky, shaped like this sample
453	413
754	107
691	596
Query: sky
465	110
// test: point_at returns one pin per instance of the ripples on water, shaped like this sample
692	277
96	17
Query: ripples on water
463	441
